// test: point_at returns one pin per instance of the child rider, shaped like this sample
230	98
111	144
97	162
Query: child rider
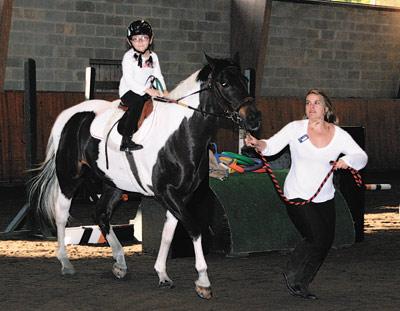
140	66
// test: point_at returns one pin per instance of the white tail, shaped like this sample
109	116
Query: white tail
44	188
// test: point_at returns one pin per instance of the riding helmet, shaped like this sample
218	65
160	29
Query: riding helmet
139	27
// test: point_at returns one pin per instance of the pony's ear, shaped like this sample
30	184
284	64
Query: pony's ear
210	61
236	59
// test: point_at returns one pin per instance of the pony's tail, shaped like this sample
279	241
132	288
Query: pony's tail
43	189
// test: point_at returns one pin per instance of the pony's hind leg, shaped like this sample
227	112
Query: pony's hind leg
203	285
104	209
166	239
119	268
62	206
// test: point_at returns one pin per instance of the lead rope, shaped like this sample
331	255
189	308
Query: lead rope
355	173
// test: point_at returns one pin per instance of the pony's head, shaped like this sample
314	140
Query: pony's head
229	85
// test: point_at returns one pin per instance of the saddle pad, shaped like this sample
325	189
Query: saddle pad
106	119
103	122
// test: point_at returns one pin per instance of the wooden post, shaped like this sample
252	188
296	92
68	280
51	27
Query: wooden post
5	25
249	35
262	51
27	217
28	213
30	113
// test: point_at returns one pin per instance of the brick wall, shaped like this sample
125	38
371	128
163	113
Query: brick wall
61	36
346	51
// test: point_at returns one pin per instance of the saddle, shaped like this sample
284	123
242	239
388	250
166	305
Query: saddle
147	109
106	120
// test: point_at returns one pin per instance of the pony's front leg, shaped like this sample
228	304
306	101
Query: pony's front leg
203	285
161	262
62	206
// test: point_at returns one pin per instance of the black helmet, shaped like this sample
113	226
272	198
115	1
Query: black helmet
139	27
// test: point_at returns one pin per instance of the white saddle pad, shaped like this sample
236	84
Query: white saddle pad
103	122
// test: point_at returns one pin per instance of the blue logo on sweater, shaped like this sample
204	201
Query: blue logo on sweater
303	138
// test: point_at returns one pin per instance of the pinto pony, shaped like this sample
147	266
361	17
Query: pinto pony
84	147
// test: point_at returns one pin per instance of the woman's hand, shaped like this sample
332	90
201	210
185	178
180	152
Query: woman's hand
341	165
258	145
153	92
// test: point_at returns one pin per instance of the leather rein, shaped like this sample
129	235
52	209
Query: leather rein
228	114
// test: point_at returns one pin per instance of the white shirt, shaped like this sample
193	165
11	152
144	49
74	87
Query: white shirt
134	78
310	164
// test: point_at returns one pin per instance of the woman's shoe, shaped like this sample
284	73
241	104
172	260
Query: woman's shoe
298	290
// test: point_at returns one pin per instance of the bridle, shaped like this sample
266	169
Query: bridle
229	113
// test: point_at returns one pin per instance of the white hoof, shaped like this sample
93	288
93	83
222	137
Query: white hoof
67	270
119	271
204	292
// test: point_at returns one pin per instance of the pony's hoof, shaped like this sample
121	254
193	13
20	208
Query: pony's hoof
67	271
204	292
118	271
166	284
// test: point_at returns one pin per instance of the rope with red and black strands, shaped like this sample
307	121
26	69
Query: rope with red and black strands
357	177
268	169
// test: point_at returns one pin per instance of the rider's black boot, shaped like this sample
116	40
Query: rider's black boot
128	145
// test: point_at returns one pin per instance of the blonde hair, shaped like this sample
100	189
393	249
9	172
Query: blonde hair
329	114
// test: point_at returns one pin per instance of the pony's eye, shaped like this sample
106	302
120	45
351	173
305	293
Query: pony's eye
224	84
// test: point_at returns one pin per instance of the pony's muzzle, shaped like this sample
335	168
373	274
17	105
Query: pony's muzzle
250	117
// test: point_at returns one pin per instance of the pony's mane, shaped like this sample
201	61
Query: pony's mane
219	64
204	73
186	86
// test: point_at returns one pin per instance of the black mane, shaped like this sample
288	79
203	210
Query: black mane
204	73
218	65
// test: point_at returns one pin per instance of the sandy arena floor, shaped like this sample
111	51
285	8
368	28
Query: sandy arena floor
365	276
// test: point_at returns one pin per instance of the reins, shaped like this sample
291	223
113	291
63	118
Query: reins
355	173
233	115
230	115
